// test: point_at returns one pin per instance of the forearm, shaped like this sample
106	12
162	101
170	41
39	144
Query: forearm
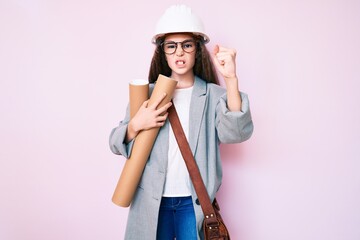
233	95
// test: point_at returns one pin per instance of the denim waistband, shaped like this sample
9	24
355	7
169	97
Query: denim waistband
176	201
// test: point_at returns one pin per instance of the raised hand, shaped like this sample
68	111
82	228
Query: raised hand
224	60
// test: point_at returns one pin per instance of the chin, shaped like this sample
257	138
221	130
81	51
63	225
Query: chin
181	71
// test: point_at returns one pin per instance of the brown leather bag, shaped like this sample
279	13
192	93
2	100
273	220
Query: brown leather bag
216	230
213	225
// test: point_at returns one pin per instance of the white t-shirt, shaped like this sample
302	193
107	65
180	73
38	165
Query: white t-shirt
178	182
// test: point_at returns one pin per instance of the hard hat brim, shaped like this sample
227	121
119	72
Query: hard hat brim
204	37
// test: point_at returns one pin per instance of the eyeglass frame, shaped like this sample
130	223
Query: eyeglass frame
177	43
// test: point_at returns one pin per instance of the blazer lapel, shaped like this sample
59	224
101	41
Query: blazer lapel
196	114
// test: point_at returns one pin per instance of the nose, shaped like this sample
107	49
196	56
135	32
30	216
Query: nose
179	50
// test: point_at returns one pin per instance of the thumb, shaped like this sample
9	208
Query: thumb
216	49
214	58
145	103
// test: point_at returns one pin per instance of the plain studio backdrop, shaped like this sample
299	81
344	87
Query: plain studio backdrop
64	72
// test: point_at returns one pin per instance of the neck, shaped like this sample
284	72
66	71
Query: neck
184	81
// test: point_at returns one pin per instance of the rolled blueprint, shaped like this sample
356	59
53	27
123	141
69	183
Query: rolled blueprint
134	166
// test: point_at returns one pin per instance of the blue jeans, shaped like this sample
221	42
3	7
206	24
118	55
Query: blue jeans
176	219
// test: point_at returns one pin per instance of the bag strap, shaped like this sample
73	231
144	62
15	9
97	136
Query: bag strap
191	165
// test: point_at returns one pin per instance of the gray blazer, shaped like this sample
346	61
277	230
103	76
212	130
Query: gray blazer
211	124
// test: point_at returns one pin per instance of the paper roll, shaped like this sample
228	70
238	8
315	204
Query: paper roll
138	94
134	166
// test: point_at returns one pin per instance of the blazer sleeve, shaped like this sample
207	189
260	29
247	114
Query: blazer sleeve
233	127
117	137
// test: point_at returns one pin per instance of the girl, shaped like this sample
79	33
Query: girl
165	205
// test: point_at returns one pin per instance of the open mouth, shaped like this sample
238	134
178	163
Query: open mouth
179	62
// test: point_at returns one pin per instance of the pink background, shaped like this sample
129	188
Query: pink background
65	66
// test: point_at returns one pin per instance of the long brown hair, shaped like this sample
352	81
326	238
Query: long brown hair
203	67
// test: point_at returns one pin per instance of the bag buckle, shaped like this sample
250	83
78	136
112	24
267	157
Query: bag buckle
211	221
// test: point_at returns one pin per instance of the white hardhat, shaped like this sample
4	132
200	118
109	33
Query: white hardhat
179	18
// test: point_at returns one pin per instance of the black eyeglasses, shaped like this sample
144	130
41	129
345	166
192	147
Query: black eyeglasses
170	47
